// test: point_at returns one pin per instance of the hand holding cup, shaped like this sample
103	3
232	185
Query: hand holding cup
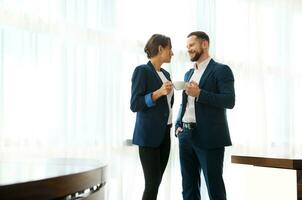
192	89
166	87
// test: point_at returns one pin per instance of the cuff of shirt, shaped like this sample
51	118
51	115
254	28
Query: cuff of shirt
148	100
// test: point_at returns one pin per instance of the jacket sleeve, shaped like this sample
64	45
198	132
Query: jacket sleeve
225	97
140	99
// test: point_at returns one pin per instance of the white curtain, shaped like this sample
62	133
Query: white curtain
66	66
65	79
53	85
261	41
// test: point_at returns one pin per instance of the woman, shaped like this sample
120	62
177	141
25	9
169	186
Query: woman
152	99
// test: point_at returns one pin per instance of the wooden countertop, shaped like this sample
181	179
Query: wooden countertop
49	178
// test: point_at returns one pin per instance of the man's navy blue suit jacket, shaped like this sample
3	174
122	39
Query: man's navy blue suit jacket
217	94
152	117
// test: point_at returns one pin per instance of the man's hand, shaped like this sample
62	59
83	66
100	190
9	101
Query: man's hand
192	89
178	130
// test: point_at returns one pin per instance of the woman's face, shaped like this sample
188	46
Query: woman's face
167	54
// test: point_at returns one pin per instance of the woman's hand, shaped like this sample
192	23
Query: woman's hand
165	89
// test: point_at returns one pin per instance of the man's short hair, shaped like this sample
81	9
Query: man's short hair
201	35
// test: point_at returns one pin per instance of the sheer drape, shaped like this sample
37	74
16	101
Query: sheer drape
260	41
65	78
52	82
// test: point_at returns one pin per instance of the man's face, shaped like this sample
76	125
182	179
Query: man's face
194	46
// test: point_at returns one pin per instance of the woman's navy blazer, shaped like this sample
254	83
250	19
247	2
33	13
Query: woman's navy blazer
151	117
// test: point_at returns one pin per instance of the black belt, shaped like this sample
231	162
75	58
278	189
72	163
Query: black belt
189	125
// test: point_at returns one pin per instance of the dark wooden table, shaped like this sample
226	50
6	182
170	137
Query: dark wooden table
36	179
275	162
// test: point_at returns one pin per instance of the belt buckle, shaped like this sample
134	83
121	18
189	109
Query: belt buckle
188	126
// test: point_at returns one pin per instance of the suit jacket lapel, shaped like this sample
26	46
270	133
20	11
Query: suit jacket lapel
187	79
166	75
155	73
206	73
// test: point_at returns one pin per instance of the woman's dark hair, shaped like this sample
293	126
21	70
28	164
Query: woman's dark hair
201	35
156	40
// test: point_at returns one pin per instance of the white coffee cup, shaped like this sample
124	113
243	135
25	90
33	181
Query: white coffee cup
179	85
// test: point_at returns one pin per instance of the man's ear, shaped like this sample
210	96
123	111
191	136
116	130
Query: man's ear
160	48
205	44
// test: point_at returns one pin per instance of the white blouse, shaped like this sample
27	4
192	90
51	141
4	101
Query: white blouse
169	96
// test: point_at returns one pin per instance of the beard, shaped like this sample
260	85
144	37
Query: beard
197	56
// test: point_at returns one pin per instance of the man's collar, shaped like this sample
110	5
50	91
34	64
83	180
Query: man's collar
204	64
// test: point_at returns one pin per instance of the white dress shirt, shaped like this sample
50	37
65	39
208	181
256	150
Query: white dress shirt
189	116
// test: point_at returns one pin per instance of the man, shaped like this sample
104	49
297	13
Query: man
202	126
